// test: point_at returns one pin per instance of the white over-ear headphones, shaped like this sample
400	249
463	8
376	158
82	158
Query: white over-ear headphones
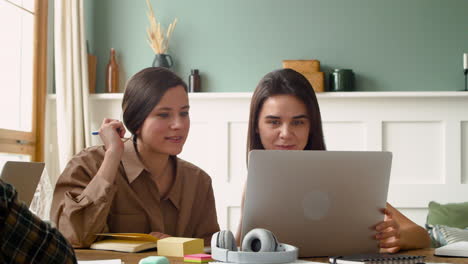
259	246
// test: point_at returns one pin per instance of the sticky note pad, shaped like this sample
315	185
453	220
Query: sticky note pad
198	258
180	246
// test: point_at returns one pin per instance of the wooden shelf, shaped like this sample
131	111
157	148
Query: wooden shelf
325	95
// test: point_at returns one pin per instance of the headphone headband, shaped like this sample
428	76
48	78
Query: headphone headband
286	253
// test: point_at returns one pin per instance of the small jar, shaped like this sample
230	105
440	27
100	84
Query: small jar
342	80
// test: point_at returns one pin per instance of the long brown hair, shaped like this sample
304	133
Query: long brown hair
287	82
143	92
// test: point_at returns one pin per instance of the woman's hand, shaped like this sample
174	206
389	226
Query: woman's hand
388	234
111	132
159	235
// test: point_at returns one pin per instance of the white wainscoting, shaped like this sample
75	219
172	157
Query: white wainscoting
426	131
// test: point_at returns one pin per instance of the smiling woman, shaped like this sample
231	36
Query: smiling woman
284	112
283	123
285	115
138	185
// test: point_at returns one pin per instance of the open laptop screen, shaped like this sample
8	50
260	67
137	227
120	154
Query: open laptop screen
323	202
24	176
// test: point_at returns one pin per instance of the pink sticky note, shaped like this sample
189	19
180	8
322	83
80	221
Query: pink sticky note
198	257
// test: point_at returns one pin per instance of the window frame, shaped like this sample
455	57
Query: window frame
32	143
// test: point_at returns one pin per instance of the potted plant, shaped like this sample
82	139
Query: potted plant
158	39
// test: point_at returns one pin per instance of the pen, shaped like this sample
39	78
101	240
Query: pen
95	133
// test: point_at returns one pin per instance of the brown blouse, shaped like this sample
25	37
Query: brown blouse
83	205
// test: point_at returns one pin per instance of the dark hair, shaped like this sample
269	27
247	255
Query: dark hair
288	82
143	92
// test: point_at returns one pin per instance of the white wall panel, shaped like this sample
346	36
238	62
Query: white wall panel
345	135
206	147
234	213
237	148
418	151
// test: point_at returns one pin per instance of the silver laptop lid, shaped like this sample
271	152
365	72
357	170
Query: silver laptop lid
24	176
324	202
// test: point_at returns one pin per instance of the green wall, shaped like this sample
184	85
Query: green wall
397	45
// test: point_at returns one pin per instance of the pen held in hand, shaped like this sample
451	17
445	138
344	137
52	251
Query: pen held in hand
95	133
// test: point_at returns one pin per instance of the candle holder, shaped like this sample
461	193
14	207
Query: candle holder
465	68
466	73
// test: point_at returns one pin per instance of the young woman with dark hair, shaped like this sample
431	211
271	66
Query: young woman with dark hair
297	90
285	115
138	185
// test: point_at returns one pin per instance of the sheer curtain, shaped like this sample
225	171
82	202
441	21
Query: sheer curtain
71	79
71	86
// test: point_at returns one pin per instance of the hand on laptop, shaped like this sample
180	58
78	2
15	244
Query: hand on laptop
388	233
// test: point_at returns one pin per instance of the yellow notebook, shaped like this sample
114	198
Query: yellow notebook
125	242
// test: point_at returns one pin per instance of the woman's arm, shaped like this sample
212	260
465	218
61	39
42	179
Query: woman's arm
84	192
397	232
412	236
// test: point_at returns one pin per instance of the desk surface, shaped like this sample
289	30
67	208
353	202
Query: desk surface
133	258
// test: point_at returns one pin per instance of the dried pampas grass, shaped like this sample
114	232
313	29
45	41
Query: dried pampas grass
157	39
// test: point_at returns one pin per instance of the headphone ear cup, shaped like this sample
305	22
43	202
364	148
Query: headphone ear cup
259	240
226	240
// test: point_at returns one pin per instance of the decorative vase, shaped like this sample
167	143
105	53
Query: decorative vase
162	60
112	74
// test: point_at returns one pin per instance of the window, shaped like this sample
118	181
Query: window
23	24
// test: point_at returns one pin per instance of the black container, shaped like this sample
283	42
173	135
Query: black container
342	80
162	60
194	82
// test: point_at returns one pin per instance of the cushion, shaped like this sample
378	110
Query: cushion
442	235
452	214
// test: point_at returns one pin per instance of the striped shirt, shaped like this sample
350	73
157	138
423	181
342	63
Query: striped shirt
24	238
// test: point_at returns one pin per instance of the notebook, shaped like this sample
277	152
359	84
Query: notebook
125	242
457	249
377	259
303	197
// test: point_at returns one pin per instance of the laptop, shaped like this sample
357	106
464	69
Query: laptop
24	176
324	202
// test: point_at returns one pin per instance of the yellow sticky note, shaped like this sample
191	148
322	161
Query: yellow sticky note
179	246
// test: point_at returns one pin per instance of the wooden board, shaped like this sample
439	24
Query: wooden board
302	66
92	62
317	80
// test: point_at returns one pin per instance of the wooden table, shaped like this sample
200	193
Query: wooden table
133	258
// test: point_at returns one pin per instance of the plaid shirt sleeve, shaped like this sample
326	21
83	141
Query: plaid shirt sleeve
24	238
